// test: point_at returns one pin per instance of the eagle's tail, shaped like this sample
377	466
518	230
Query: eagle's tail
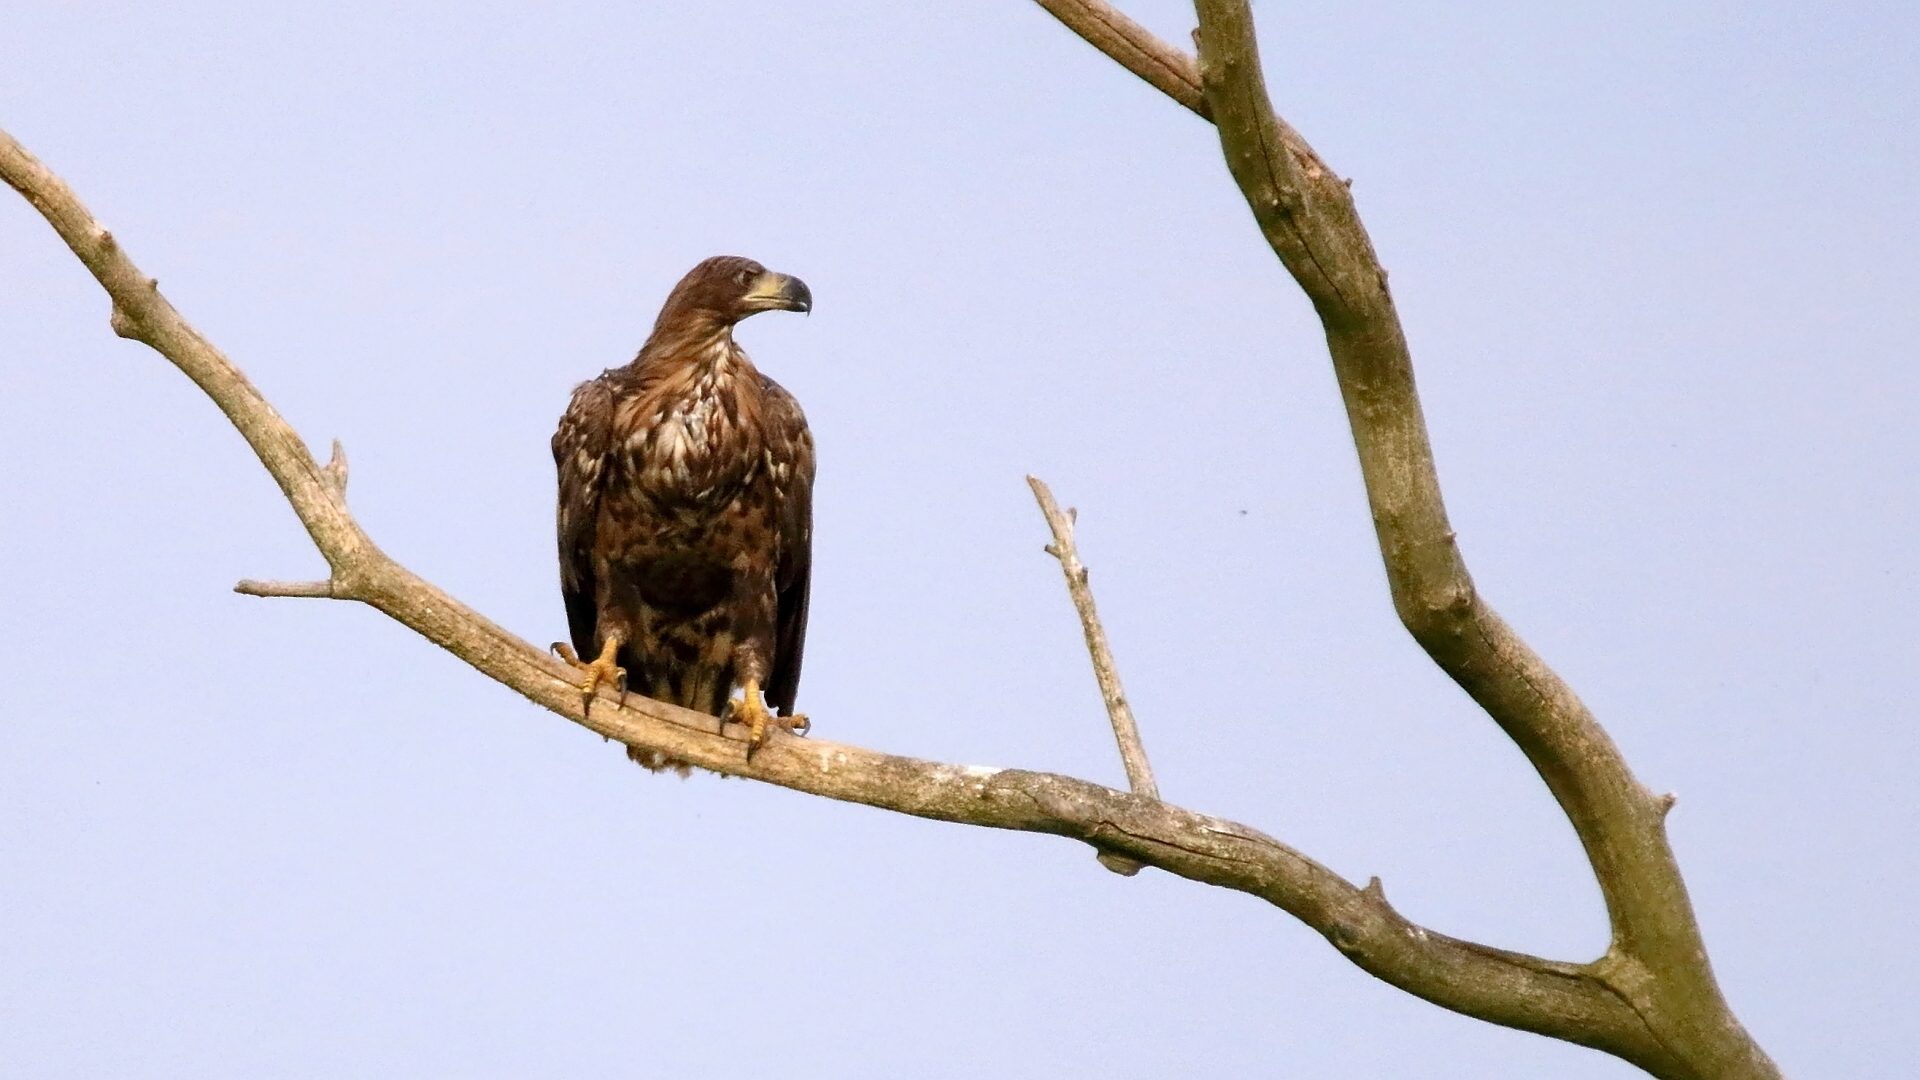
700	687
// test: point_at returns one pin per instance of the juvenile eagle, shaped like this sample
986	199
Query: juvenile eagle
686	512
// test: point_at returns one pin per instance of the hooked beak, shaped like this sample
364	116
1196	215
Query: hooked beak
778	292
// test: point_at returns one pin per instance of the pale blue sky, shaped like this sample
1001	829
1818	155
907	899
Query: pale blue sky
1657	263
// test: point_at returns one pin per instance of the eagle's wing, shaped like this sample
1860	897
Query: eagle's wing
790	444
580	448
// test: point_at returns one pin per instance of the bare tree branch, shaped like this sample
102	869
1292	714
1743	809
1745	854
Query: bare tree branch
1657	959
323	590
1169	70
1581	1003
1132	754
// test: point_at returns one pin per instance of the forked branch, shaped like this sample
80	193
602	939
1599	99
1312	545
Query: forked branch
1651	999
1569	1000
1133	755
1657	960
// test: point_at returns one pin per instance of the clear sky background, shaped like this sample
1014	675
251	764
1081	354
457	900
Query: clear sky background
1657	263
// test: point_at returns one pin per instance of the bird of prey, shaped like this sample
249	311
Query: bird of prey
686	513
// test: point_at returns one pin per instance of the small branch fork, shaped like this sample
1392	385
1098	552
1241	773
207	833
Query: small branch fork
1120	714
1679	1024
1651	999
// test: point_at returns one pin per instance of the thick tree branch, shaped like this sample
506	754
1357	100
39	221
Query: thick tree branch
1657	961
1657	957
1120	714
1576	1002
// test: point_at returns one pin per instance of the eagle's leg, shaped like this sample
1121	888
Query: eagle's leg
601	672
751	709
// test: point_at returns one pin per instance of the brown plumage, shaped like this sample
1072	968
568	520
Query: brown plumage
686	511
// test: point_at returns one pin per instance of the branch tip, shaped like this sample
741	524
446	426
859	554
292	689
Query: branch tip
335	470
321	590
1125	731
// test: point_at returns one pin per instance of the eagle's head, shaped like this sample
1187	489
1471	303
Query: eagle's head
728	288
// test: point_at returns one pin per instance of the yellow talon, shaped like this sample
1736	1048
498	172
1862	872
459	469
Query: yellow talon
602	672
751	709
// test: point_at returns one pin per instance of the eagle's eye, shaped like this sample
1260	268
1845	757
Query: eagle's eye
744	277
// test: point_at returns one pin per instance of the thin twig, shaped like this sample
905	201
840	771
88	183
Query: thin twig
335	470
1125	732
324	590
